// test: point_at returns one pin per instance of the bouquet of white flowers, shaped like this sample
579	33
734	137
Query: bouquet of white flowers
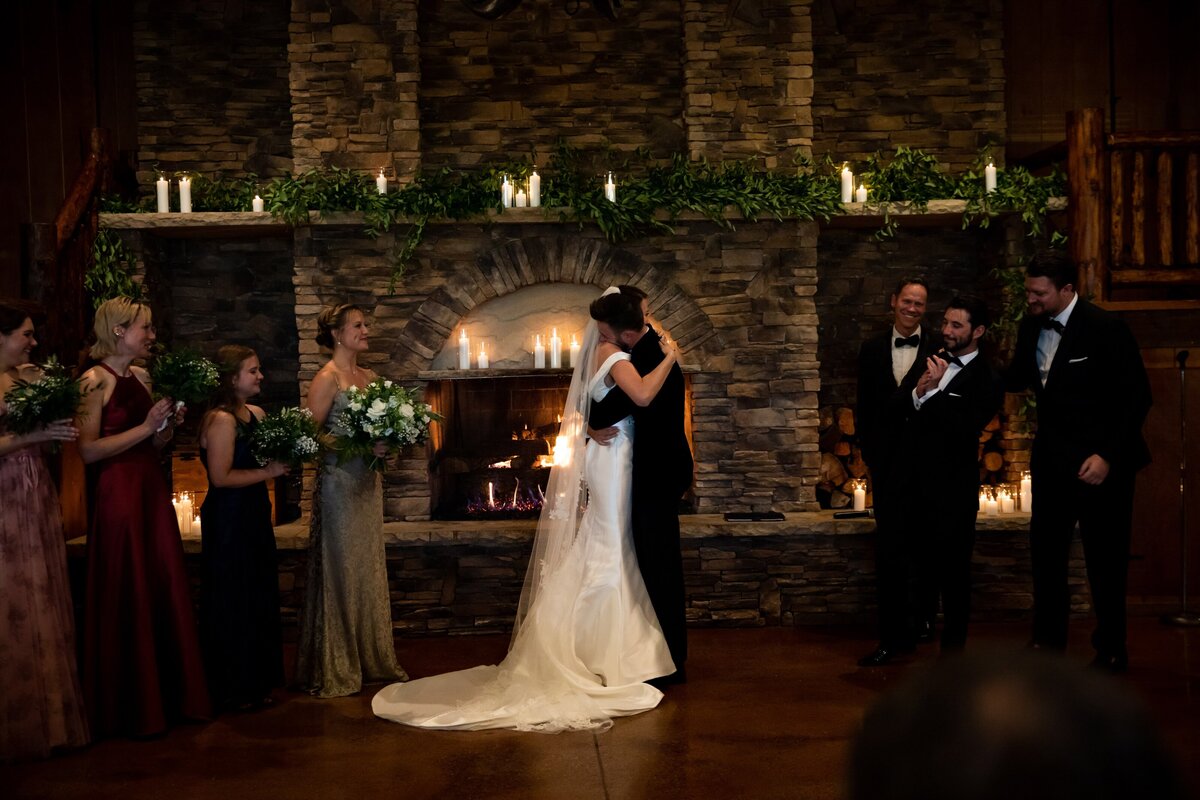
381	411
289	436
33	404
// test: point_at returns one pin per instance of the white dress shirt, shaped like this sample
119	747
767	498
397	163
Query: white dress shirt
951	370
903	357
1050	339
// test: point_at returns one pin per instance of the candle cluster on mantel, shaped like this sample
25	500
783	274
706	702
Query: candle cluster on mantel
523	194
995	501
162	194
186	514
547	351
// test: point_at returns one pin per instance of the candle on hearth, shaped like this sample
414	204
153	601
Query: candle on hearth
381	182
539	353
483	357
1007	504
185	513
196	524
256	204
574	351
555	349
464	350
522	199
535	189
1026	493
982	498
506	193
991	508
989	177
861	195
847	184
860	496
610	189
185	195
163	191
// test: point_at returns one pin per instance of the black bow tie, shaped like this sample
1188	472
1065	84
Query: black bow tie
909	341
949	359
1051	324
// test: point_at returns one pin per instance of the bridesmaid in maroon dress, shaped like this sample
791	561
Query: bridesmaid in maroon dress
142	667
41	704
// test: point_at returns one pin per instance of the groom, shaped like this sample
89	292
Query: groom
662	468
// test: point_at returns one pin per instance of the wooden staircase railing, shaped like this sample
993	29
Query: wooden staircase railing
1133	207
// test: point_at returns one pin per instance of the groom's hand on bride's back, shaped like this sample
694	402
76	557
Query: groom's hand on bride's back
602	436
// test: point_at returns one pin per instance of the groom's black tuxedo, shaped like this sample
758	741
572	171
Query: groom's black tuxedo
1094	402
662	472
937	486
899	572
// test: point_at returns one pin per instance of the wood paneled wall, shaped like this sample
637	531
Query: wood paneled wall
66	67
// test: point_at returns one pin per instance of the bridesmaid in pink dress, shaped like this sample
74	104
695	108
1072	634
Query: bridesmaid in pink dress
41	705
141	656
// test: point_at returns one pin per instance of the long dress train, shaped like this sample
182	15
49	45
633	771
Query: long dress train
346	633
41	702
239	592
589	640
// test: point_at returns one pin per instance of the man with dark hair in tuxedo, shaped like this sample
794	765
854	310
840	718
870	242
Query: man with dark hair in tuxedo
888	367
662	472
937	482
1093	395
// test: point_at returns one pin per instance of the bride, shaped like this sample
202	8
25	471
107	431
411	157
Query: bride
585	636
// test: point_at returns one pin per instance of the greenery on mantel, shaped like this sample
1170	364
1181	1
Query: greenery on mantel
651	193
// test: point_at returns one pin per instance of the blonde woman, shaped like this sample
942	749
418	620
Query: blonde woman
141	654
346	630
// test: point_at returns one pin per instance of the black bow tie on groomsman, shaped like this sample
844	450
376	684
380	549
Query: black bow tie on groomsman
1051	324
908	341
949	359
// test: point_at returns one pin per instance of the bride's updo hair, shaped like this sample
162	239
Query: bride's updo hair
333	318
622	312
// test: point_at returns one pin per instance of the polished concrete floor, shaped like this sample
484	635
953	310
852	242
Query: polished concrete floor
766	713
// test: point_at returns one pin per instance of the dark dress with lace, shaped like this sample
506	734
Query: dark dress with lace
239	595
141	665
41	703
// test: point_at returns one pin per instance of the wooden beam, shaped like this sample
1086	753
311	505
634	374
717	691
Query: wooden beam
1087	196
1138	215
1156	276
1163	203
1134	140
1192	201
1117	205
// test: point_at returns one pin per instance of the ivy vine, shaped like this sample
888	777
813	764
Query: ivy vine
109	274
651	195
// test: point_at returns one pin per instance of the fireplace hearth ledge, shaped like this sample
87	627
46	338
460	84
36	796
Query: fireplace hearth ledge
294	535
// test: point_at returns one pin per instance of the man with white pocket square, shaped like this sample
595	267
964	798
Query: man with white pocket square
1093	395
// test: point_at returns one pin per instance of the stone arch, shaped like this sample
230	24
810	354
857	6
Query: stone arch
566	258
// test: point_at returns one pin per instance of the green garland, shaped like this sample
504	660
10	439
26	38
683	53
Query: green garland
109	274
651	196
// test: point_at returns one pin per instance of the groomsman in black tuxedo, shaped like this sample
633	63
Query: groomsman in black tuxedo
937	483
889	365
1093	395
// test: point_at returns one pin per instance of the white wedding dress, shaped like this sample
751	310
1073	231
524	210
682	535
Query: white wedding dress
589	637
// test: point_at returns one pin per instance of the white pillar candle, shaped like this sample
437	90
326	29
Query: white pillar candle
555	349
257	204
185	195
861	195
522	199
539	353
610	189
989	178
464	350
574	351
163	191
1007	505
381	182
185	512
860	497
991	508
847	184
535	189
483	358
196	524
982	498
1026	493
506	193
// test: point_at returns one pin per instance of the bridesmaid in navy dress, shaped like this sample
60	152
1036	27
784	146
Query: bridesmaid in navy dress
239	597
141	666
